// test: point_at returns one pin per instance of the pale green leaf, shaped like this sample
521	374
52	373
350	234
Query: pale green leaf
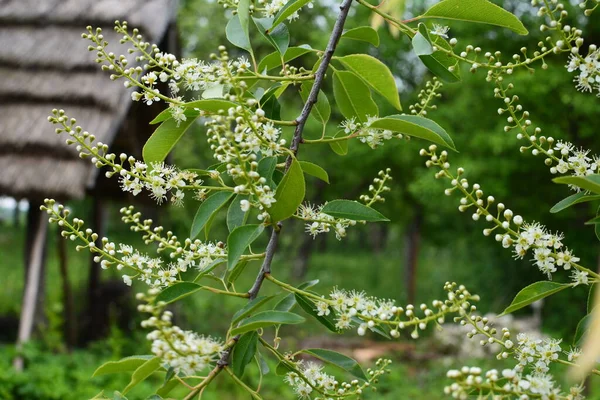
353	210
339	360
353	96
236	35
123	365
286	11
289	194
267	318
576	198
314	170
308	306
278	36
177	292
363	33
273	60
589	182
339	147
321	110
164	138
534	292
142	372
415	126
250	308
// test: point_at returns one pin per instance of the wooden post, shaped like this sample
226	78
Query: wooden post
69	310
35	269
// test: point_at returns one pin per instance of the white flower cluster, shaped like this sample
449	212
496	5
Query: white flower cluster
185	351
508	384
514	233
319	222
191	254
269	8
149	270
311	380
371	136
353	308
587	68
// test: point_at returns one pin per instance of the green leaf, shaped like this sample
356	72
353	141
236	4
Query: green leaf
321	111
266	167
282	369
439	63
593	221
480	11
308	306
143	372
243	11
166	114
236	35
353	96
589	182
278	36
289	194
576	198
376	74
123	365
353	210
164	138
237	271
235	216
416	126
534	292
339	360
262	364
239	240
270	105
212	106
167	387
314	170
177	292
288	302
243	352
590	299
208	207
273	60
597	226
250	308
582	327
286	11
421	45
362	33
340	147
267	318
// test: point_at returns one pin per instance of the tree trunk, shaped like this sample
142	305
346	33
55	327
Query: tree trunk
69	308
37	227
412	245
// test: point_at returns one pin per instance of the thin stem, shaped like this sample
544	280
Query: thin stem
242	384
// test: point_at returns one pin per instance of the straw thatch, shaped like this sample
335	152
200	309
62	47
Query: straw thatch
44	64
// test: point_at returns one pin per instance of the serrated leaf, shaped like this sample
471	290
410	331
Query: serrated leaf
589	182
164	138
289	194
321	110
533	293
208	207
239	240
415	126
576	198
307	305
353	210
267	318
235	216
177	292
480	11
143	372
339	147
363	33
273	60
339	360
288	302
236	35
243	352
287	10
278	35
123	365
314	170
250	308
376	74
353	96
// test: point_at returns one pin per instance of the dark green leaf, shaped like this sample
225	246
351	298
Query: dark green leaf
235	216
314	170
481	11
339	360
282	369
266	167
289	194
353	96
534	292
576	198
363	33
239	240
250	308
164	138
376	74
439	63
309	307
273	60
350	209
208	207
237	271
123	365
267	318
177	292
288	302
415	126
589	182
321	111
243	352
278	36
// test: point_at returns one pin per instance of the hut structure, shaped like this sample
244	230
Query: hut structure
45	64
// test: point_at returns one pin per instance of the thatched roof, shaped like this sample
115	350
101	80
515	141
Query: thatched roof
44	64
